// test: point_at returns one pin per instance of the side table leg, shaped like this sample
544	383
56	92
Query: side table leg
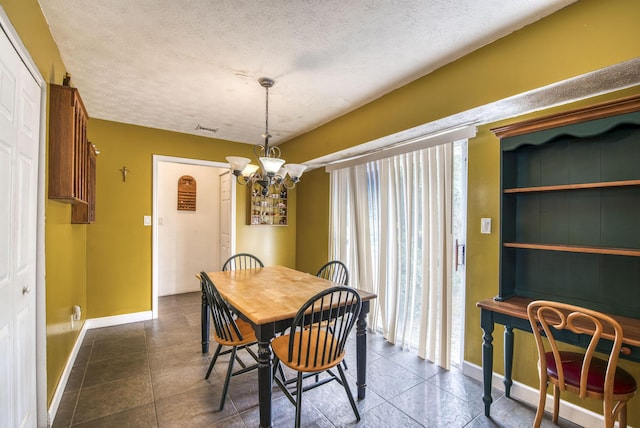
486	323
508	359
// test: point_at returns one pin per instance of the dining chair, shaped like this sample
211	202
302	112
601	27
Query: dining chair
580	372
335	271
315	343
242	261
228	331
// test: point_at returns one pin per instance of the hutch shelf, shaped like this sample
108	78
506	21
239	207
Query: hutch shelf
570	204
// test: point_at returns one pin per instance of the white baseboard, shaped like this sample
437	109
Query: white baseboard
88	324
118	319
57	395
529	395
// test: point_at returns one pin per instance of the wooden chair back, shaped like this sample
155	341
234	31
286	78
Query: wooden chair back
582	373
550	317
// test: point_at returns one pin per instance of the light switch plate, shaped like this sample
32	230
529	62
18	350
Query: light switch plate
485	225
147	220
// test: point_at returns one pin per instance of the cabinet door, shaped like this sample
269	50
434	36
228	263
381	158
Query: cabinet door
86	213
68	146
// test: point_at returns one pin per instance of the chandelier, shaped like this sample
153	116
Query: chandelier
271	171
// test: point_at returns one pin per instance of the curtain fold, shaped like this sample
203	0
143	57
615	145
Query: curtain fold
391	224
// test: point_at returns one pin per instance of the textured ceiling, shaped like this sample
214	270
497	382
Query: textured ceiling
613	78
178	64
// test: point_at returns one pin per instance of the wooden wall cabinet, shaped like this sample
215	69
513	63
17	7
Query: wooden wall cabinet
269	209
86	213
72	159
570	208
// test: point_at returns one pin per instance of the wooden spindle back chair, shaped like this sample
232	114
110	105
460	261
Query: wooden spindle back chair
242	261
335	271
316	342
227	331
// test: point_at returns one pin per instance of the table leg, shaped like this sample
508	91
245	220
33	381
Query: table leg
361	351
508	359
204	323
265	333
486	323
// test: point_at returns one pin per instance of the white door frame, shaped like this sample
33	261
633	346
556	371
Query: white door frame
41	324
232	245
154	218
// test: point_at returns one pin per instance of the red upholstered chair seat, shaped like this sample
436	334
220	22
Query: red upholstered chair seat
624	383
547	317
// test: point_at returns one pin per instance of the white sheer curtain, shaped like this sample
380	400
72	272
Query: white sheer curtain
391	224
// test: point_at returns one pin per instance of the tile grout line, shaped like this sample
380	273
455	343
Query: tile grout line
84	373
153	393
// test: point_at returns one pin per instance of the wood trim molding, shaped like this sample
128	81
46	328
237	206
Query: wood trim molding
596	111
576	186
575	249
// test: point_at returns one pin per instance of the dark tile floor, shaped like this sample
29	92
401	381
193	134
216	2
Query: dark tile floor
151	374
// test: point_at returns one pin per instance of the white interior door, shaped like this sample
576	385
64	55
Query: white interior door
19	139
188	240
225	216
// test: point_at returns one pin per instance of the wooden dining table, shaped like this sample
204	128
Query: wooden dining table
269	298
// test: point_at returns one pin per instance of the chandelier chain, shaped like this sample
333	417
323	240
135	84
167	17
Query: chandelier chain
270	172
266	116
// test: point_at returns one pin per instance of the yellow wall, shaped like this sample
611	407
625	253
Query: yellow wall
584	37
483	252
272	244
65	243
108	264
119	245
312	239
106	267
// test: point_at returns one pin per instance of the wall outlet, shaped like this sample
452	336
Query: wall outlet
77	312
485	225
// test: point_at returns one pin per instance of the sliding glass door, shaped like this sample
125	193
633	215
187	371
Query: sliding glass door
393	224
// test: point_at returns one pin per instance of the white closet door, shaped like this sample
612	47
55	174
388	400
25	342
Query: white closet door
19	132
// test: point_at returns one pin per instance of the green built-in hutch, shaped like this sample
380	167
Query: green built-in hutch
570	208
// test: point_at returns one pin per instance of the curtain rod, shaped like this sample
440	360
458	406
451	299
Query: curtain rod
412	145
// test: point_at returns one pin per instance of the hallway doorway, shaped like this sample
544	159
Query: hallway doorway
186	241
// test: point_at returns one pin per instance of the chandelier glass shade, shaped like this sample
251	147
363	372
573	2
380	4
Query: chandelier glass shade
271	171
